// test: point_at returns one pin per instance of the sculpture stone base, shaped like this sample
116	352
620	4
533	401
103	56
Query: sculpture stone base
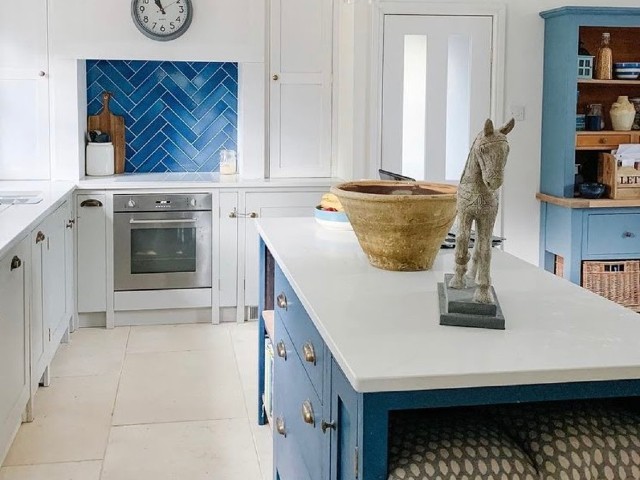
458	309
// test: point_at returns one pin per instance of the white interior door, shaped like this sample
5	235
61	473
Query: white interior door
436	92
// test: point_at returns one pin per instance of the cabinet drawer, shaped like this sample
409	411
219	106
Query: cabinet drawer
307	342
298	407
611	234
602	141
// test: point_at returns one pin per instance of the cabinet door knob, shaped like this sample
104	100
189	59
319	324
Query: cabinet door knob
602	140
282	350
327	426
282	301
40	237
280	428
307	413
253	215
234	214
628	235
70	223
42	73
275	77
309	353
15	263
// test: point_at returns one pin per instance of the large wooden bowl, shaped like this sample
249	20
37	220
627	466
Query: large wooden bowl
399	225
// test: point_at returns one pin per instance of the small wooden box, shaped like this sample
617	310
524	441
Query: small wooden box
623	183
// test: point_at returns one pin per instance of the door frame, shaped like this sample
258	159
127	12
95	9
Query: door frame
497	11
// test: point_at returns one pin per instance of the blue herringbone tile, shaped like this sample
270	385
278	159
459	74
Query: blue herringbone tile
178	115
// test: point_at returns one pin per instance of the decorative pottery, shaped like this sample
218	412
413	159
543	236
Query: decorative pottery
636	121
622	114
399	225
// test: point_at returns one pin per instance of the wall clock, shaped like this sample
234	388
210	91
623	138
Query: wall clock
162	20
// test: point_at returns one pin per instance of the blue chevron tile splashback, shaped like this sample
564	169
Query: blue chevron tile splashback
178	115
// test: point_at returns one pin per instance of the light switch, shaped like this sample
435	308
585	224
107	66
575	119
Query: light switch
517	112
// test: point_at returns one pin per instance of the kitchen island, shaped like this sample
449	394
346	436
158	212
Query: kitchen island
354	343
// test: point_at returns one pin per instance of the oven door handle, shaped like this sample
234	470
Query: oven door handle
133	221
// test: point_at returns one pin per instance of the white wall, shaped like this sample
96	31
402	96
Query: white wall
523	86
221	31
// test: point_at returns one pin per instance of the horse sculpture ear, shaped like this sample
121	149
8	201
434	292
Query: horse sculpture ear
507	127
488	127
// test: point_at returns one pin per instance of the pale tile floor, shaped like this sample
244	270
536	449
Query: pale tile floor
148	403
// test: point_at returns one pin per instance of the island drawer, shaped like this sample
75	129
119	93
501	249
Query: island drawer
298	414
613	234
307	342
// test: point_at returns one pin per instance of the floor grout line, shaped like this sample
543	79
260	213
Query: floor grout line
253	436
115	399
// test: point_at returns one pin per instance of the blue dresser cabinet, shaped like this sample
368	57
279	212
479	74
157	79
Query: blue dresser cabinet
576	229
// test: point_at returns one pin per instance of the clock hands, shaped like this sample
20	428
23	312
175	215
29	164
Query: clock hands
173	3
159	4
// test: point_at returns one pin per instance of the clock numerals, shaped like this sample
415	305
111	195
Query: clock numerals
162	19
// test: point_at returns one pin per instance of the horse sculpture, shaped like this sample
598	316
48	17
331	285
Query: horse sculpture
478	201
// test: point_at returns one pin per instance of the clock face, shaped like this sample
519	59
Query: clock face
162	19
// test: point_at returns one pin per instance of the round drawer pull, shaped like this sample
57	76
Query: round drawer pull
602	140
307	413
309	353
280	428
282	301
282	350
40	237
629	235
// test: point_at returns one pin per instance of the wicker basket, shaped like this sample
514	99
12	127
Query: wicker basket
617	280
559	266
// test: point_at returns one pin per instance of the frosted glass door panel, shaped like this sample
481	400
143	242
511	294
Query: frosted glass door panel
24	129
436	92
414	105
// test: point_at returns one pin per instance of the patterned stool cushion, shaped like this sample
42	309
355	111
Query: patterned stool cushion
577	440
456	447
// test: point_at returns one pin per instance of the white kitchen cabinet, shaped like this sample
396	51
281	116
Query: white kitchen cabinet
14	342
50	275
91	253
228	253
24	93
261	205
301	88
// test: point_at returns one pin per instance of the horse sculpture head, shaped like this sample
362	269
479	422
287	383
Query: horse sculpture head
491	150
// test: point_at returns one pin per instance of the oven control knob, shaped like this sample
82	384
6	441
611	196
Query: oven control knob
192	202
131	203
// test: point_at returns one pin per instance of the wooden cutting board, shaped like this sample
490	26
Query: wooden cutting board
112	124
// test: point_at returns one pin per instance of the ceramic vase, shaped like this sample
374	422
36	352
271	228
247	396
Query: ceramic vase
622	114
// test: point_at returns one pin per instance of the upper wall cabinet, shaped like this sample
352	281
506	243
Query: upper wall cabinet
24	93
301	88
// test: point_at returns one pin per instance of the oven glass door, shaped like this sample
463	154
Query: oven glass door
163	250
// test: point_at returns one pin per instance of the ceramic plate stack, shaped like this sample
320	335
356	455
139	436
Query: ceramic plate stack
626	70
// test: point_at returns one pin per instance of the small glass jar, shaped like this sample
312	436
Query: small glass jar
594	120
228	162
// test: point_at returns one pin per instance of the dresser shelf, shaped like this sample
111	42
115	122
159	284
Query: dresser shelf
587	202
593	81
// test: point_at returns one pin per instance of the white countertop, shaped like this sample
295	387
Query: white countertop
195	180
383	327
17	221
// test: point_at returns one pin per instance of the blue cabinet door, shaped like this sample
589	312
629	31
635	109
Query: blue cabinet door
345	458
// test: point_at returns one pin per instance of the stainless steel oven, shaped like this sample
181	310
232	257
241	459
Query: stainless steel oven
162	241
